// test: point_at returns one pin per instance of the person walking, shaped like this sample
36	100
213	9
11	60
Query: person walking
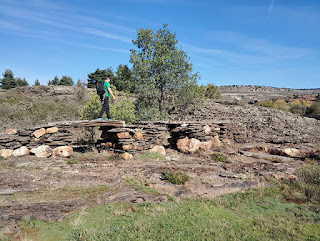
105	98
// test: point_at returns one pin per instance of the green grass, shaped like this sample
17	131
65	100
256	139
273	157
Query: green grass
147	156
258	214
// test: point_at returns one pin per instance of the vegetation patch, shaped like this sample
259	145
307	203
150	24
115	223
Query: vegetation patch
219	157
257	214
139	186
147	156
178	177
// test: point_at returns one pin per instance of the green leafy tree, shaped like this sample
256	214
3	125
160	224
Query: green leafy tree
98	75
37	82
162	71
124	79
55	81
21	82
8	80
66	80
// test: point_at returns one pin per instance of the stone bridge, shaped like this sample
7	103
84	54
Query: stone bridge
119	137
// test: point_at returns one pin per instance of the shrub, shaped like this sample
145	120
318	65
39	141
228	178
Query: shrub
314	110
309	181
175	177
266	103
298	109
219	157
212	92
120	110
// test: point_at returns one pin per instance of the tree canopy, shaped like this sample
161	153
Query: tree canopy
8	81
65	80
163	72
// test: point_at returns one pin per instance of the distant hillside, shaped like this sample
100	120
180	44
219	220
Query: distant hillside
248	93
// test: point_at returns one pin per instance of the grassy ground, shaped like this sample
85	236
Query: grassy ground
257	214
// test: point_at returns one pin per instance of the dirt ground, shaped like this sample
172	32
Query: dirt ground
49	189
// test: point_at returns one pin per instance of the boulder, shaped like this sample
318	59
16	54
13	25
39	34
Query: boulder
159	149
52	130
138	136
183	144
126	156
62	151
42	151
205	146
124	135
226	141
39	132
194	145
291	152
215	142
11	131
5	153
22	151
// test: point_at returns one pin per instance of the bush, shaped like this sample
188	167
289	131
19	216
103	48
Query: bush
314	110
298	109
309	181
175	177
120	110
219	157
212	92
266	103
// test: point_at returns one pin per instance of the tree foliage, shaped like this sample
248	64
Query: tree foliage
100	76
8	81
37	82
212	92
162	71
65	80
124	79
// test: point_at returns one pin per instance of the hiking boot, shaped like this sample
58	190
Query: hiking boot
100	119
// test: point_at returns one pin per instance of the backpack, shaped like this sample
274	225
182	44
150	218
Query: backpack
100	89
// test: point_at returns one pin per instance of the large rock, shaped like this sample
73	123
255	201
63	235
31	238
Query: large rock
126	156
5	153
52	130
291	152
127	147
138	136
42	151
22	151
39	132
62	151
207	129
215	142
194	145
11	131
159	149
205	146
183	145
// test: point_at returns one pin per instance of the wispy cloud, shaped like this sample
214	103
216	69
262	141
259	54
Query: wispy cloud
37	12
271	6
239	48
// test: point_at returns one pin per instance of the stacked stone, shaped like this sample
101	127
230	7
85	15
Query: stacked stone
133	138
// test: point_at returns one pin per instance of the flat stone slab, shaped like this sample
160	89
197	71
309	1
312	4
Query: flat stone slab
86	123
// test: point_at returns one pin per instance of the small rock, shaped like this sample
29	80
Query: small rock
159	149
216	143
127	147
138	136
42	151
39	132
206	129
126	156
124	135
52	130
5	153
22	151
226	141
292	177
11	131
62	151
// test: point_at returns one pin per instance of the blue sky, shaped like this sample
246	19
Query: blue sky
230	42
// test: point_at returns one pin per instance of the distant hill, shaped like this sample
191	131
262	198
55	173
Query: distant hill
248	93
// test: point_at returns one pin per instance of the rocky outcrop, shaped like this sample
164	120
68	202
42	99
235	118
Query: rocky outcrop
22	151
62	151
159	149
43	151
